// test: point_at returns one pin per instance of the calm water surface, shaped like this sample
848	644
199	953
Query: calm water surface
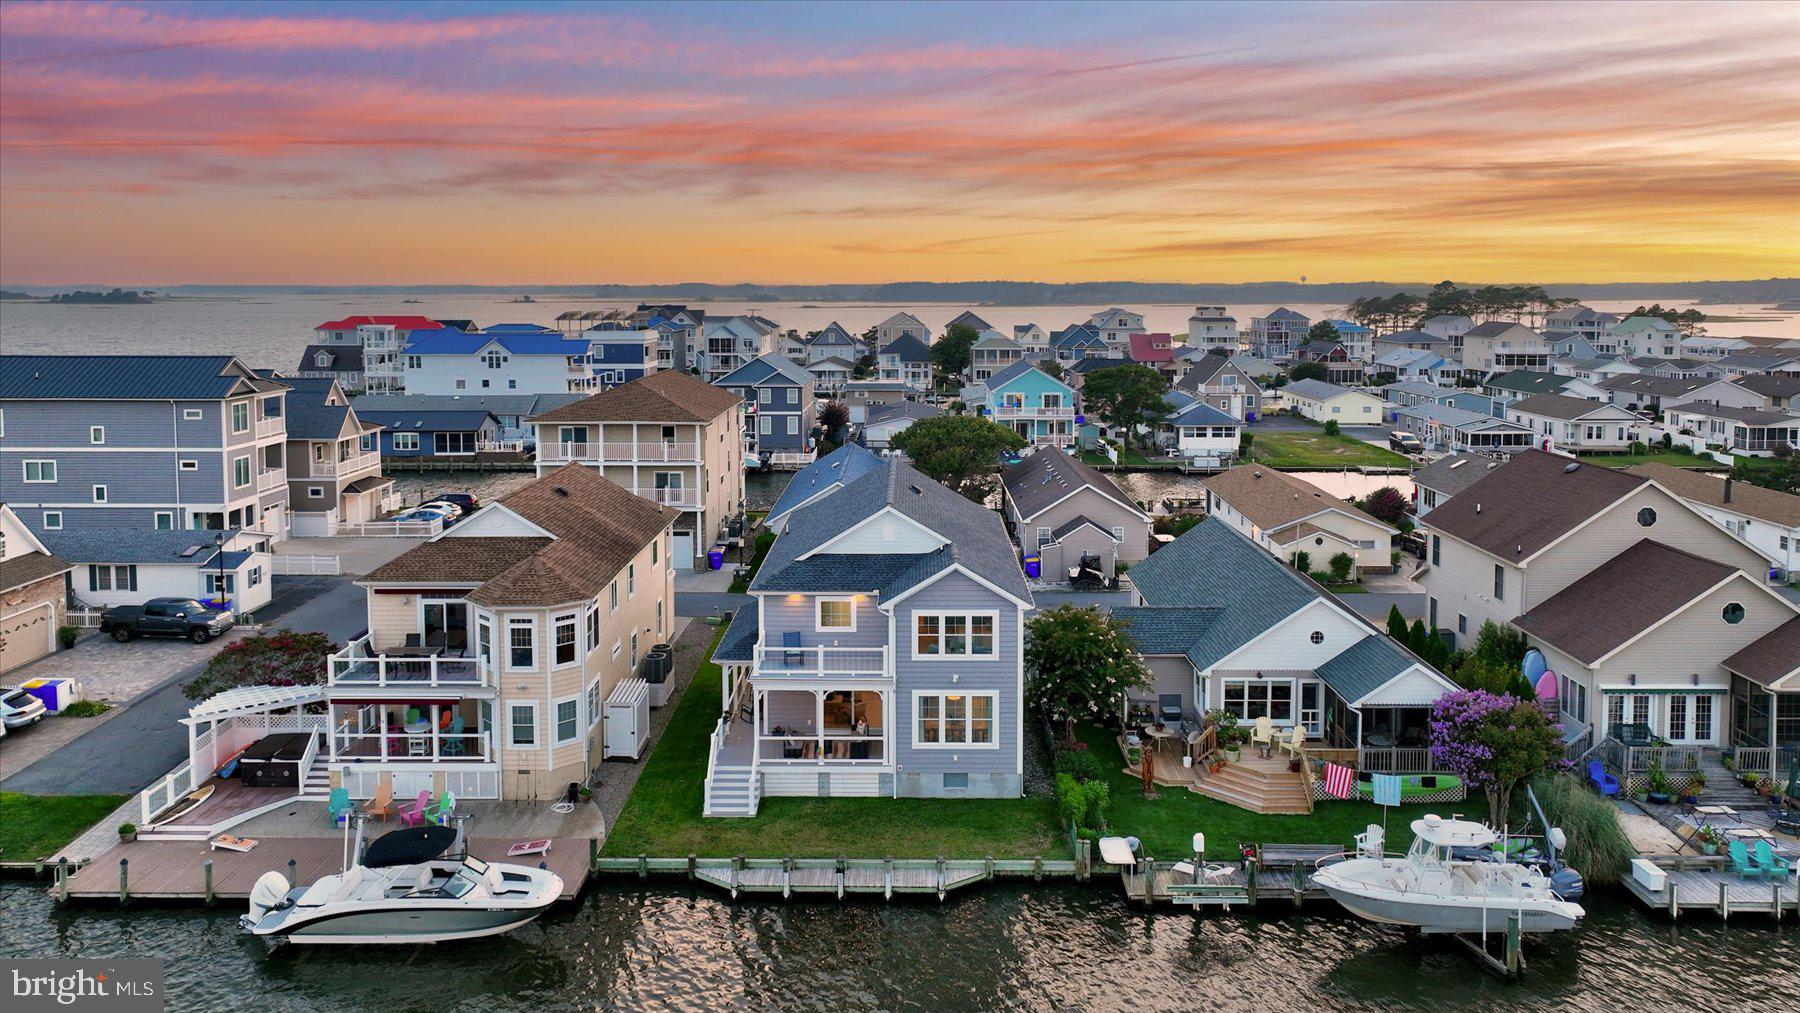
1040	947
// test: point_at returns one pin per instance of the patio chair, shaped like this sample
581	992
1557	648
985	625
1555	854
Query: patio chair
1773	865
1295	742
412	814
339	807
1168	708
1263	734
1741	863
412	640
453	746
382	804
791	658
442	811
1604	783
1369	843
412	715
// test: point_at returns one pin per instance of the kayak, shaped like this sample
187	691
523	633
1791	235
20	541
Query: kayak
1411	785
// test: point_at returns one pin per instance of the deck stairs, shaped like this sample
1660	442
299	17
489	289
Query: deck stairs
1259	785
318	782
1723	786
731	792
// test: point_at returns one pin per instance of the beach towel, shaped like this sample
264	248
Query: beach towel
1386	789
1339	781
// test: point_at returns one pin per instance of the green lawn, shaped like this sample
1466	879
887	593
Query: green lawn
662	817
1167	824
1673	458
37	826
1302	450
741	584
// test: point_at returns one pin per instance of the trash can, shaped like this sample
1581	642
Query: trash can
715	558
1034	566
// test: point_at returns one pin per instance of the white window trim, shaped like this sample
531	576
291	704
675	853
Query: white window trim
556	738
189	464
1247	681
249	473
913	647
412	441
593	705
571	619
100	493
537	738
819	614
512	623
159	515
192	415
58	526
25	471
97	435
919	743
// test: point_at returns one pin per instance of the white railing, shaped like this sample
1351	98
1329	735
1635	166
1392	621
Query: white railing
308	566
392	529
684	498
619	452
87	619
1772	763
1672	759
311	754
1007	411
819	661
417	747
713	748
358	665
162	794
791	459
271	479
271	427
500	446
347	466
1053	440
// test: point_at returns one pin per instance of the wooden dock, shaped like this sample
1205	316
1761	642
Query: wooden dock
1284	873
180	870
1707	884
841	877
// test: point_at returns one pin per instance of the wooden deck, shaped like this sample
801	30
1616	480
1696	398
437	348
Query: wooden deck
176	870
1703	884
797	877
230	800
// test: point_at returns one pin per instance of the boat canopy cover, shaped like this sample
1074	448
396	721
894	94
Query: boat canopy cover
1452	833
408	846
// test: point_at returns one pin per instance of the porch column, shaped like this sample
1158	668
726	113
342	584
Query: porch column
756	726
193	743
434	732
819	719
381	723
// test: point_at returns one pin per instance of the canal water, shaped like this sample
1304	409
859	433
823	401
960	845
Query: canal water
1025	946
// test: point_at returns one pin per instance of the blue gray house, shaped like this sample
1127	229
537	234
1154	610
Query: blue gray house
418	433
1076	342
778	399
882	655
821	478
142	442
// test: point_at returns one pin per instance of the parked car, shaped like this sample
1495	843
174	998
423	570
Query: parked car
166	617
1411	543
19	708
452	513
468	503
1405	442
427	515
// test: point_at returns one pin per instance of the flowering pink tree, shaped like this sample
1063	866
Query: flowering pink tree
1493	741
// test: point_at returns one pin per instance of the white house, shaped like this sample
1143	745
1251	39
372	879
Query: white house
1116	326
1638	336
1327	402
450	361
1287	516
1448	325
1574	423
1501	345
1767	519
1212	327
231	566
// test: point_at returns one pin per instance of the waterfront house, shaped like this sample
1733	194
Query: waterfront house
670	438
33	595
1446	428
230	567
967	318
1357	339
1500	346
1445	477
1223	625
1287	515
905	360
1449	326
1219	380
1328	402
677	334
1199	432
826	475
1034	340
1341	366
1410	341
992	353
1032	403
508	359
1115	327
378	343
791	345
861	395
1569	345
1776	392
509	410
1576	424
778	396
342	363
835	342
1582	320
830	374
1413	364
730	342
884	422
1642	390
1518	384
143	442
333	461
447	434
1077	342
1213	327
1156	351
882	654
1646	336
1726	393
617	355
901	324
1062	510
1766	518
1274	337
1748	431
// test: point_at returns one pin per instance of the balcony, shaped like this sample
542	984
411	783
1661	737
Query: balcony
619	453
821	662
360	665
270	480
1034	411
276	426
680	498
347	466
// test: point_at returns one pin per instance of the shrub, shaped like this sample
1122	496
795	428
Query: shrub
66	635
1303	561
1341	566
1097	798
85	709
1331	427
1321	576
1079	763
1071	801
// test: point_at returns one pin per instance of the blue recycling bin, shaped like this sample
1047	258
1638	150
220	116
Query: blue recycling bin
1034	567
715	558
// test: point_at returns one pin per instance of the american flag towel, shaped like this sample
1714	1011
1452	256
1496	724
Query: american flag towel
1339	780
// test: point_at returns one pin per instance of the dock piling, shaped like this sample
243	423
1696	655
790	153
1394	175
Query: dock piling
593	853
692	862
293	873
62	879
643	865
206	868
124	881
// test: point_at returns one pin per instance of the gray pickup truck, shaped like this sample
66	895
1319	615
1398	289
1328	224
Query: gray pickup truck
166	617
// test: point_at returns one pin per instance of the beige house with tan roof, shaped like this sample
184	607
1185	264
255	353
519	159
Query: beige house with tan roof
670	438
1767	519
492	647
1287	516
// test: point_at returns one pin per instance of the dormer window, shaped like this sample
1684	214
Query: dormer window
322	359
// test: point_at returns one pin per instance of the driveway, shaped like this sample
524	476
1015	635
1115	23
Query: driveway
145	740
706	603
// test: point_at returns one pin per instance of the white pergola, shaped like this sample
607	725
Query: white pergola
234	703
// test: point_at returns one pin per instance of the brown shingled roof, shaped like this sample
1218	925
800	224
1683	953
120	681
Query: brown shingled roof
455	560
1621	598
1772	657
1273	499
1750	500
665	396
1528	503
30	568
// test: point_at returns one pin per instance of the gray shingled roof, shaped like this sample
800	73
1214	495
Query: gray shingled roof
1526	381
128	377
845	464
308	416
143	547
1165	631
1213	567
1049	476
1557	406
1364	667
1076	522
739	642
1451	475
908	348
523	405
760	369
1318	390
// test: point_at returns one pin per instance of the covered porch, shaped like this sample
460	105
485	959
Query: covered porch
413	729
810	726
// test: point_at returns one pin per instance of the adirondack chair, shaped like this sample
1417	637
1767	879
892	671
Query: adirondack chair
1741	863
1293	744
453	746
1604	783
442	811
339	807
1773	865
1262	734
412	814
382	804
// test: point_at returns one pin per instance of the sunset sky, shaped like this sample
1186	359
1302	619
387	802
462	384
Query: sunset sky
148	144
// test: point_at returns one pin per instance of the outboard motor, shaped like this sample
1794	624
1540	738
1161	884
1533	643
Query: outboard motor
269	894
1567	884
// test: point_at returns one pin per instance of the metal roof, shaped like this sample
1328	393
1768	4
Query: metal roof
128	377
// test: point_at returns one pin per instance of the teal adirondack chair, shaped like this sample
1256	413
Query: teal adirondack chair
1741	863
453	746
339	807
1773	865
440	811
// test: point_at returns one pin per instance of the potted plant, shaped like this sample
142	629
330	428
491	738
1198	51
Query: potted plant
1727	761
1294	765
1711	840
1696	785
66	635
1659	786
127	833
585	793
1232	746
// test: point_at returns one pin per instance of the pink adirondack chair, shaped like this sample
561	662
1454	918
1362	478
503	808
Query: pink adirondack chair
413	814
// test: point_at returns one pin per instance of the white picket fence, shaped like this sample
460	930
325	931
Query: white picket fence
308	566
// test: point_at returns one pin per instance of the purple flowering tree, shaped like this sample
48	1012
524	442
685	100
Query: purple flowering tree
1493	741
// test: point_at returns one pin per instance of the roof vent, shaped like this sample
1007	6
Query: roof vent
1572	467
560	491
1478	508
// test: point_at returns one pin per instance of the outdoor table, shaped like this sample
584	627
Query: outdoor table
1716	810
1158	735
1381	741
1750	833
415	736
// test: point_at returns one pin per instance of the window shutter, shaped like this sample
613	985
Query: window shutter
132	575
93	577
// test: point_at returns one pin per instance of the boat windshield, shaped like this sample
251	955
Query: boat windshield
461	882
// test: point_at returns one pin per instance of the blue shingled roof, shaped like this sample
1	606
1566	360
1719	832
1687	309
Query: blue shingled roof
141	547
1364	667
762	368
83	377
842	466
450	341
1016	370
908	348
415	420
1211	566
739	641
1165	630
1201	414
308	416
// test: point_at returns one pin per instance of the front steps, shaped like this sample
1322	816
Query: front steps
1259	785
731	792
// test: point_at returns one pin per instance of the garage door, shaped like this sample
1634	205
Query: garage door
26	635
684	549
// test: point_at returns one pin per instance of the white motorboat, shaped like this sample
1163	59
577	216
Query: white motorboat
403	892
1434	890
